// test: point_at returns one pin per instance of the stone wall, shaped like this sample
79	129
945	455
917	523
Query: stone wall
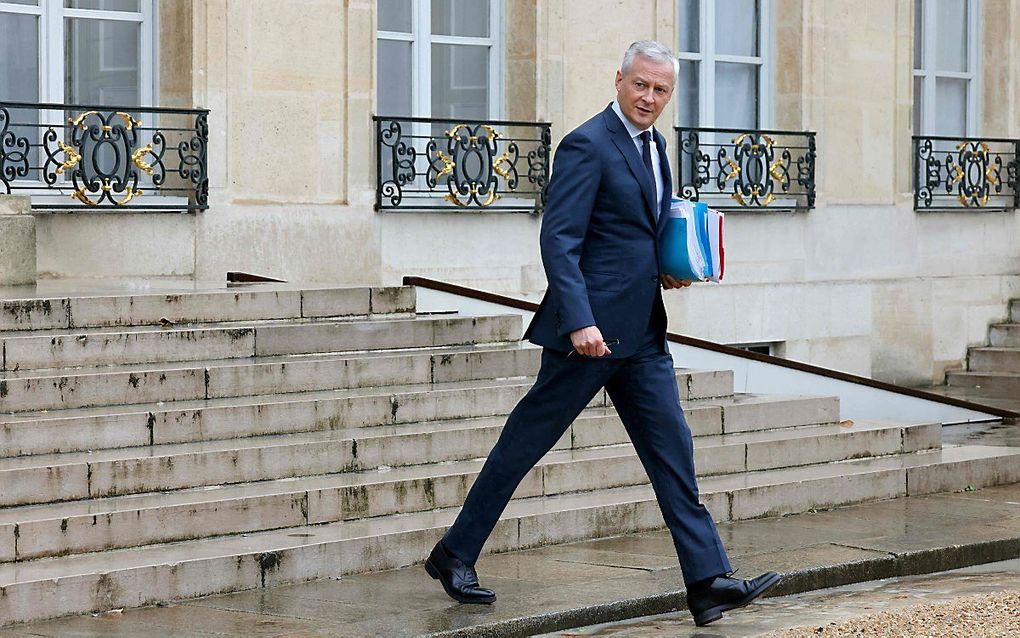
861	283
290	149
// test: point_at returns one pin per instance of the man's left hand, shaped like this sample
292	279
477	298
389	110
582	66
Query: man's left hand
670	283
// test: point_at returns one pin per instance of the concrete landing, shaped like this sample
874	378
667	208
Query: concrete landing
579	584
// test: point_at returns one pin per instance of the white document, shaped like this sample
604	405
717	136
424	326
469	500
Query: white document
681	208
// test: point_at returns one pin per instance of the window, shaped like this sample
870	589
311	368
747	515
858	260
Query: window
946	67
93	52
87	52
772	349
725	75
440	58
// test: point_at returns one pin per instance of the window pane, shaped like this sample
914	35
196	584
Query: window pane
736	27
918	33
395	15
19	50
460	17
104	5
736	95
19	77
950	106
918	104
102	62
460	81
30	3
689	26
687	93
394	78
951	34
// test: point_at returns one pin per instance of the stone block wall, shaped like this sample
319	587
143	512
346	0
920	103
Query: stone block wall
17	241
862	282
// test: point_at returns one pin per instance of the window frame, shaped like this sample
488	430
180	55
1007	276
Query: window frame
52	35
707	58
929	74
422	39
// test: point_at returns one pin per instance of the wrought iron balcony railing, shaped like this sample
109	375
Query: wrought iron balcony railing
954	173
445	164
737	169
69	156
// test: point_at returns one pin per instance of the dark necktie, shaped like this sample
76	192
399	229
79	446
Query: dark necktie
646	157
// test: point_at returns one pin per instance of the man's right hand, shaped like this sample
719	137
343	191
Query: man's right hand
588	341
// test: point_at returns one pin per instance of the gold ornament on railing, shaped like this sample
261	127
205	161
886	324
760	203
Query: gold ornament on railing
72	157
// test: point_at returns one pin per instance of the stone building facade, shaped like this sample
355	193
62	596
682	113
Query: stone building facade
860	281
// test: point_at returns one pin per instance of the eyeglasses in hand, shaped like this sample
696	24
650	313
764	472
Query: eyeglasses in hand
607	342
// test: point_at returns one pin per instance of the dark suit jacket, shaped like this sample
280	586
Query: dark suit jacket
600	239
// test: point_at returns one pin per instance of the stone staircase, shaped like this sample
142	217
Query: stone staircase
993	371
157	447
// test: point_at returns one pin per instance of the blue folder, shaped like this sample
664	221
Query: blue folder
674	256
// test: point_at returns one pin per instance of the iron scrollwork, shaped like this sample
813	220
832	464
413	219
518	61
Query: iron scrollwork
753	168
435	164
965	173
106	157
14	152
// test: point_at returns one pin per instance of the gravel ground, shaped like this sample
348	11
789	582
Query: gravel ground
985	615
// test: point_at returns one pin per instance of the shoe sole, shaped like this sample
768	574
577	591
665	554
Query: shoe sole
431	570
713	614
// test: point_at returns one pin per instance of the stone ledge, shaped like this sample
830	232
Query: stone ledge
926	561
15	205
874	565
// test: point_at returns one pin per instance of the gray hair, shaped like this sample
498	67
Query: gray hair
650	50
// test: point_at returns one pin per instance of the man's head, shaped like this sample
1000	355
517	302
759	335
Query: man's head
645	81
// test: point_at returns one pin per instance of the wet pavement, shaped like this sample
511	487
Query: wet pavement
603	580
1002	434
818	609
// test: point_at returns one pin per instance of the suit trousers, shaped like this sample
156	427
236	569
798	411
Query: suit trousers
644	391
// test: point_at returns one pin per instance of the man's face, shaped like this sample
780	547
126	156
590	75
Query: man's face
645	90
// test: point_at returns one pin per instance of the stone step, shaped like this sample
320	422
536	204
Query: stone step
125	385
749	412
1005	335
57	529
255	303
108	347
994	360
109	427
992	384
95	582
103	473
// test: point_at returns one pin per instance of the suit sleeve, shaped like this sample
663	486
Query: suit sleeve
569	201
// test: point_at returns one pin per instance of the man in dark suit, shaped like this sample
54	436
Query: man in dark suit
606	204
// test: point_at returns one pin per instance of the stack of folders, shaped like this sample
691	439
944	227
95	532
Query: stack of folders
692	242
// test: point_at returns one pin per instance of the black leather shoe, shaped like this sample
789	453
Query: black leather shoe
708	603
458	578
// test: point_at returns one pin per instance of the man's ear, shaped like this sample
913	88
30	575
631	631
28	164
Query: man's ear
619	79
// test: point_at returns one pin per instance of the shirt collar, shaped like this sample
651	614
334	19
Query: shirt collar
632	130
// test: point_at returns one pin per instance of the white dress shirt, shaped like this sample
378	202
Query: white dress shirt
635	135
